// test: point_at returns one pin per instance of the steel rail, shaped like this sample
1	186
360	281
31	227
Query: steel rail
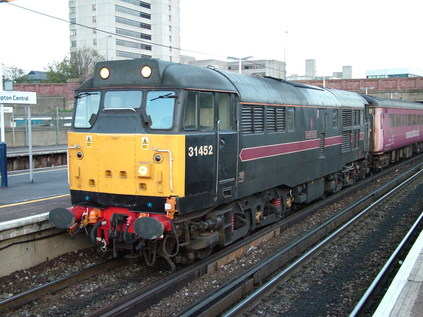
392	261
215	303
142	299
40	291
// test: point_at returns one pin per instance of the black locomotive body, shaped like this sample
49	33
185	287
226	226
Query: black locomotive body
177	159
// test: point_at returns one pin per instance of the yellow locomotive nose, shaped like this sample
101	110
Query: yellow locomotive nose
129	165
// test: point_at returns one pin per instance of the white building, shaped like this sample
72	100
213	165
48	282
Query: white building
310	68
123	29
393	73
260	67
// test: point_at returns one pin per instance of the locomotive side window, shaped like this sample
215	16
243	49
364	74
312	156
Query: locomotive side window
335	118
290	119
160	106
87	106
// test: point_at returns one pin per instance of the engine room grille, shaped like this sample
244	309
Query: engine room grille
252	119
346	141
346	117
322	153
275	117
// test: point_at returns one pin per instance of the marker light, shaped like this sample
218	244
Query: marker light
104	73
146	71
158	158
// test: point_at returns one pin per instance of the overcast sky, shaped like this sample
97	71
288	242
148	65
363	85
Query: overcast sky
364	34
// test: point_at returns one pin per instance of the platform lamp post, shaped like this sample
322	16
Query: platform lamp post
366	89
284	53
3	147
239	61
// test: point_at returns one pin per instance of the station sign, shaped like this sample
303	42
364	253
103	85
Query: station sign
8	109
18	97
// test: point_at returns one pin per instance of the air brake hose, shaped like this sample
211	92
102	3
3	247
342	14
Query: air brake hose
125	236
94	233
76	232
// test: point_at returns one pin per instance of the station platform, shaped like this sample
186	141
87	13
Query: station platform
405	295
22	198
37	150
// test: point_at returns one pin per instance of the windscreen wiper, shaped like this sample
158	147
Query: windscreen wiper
169	95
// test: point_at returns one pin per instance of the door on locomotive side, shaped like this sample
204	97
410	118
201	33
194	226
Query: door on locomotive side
226	147
211	142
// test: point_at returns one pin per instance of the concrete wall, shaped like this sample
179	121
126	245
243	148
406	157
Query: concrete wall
41	136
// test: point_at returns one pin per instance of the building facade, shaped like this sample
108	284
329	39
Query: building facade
394	73
310	68
260	67
126	29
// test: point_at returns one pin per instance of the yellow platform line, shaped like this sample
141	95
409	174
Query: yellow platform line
34	201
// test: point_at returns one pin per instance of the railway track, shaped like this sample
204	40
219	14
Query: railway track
57	285
233	291
374	294
362	207
147	296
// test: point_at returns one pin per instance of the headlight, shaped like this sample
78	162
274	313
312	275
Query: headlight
146	71
104	73
144	170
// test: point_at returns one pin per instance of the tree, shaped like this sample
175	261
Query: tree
14	74
79	64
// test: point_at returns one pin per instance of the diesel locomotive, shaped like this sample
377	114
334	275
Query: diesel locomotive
173	160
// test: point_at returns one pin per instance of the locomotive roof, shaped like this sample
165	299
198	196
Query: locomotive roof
275	91
250	89
392	103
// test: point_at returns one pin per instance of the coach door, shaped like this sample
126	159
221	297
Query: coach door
226	146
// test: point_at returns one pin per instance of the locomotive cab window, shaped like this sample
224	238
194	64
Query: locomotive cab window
130	99
86	109
160	107
199	111
225	111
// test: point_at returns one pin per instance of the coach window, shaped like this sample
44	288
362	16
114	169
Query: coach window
225	113
397	120
290	119
391	121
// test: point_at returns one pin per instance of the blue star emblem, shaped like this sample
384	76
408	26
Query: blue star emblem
87	198
149	205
